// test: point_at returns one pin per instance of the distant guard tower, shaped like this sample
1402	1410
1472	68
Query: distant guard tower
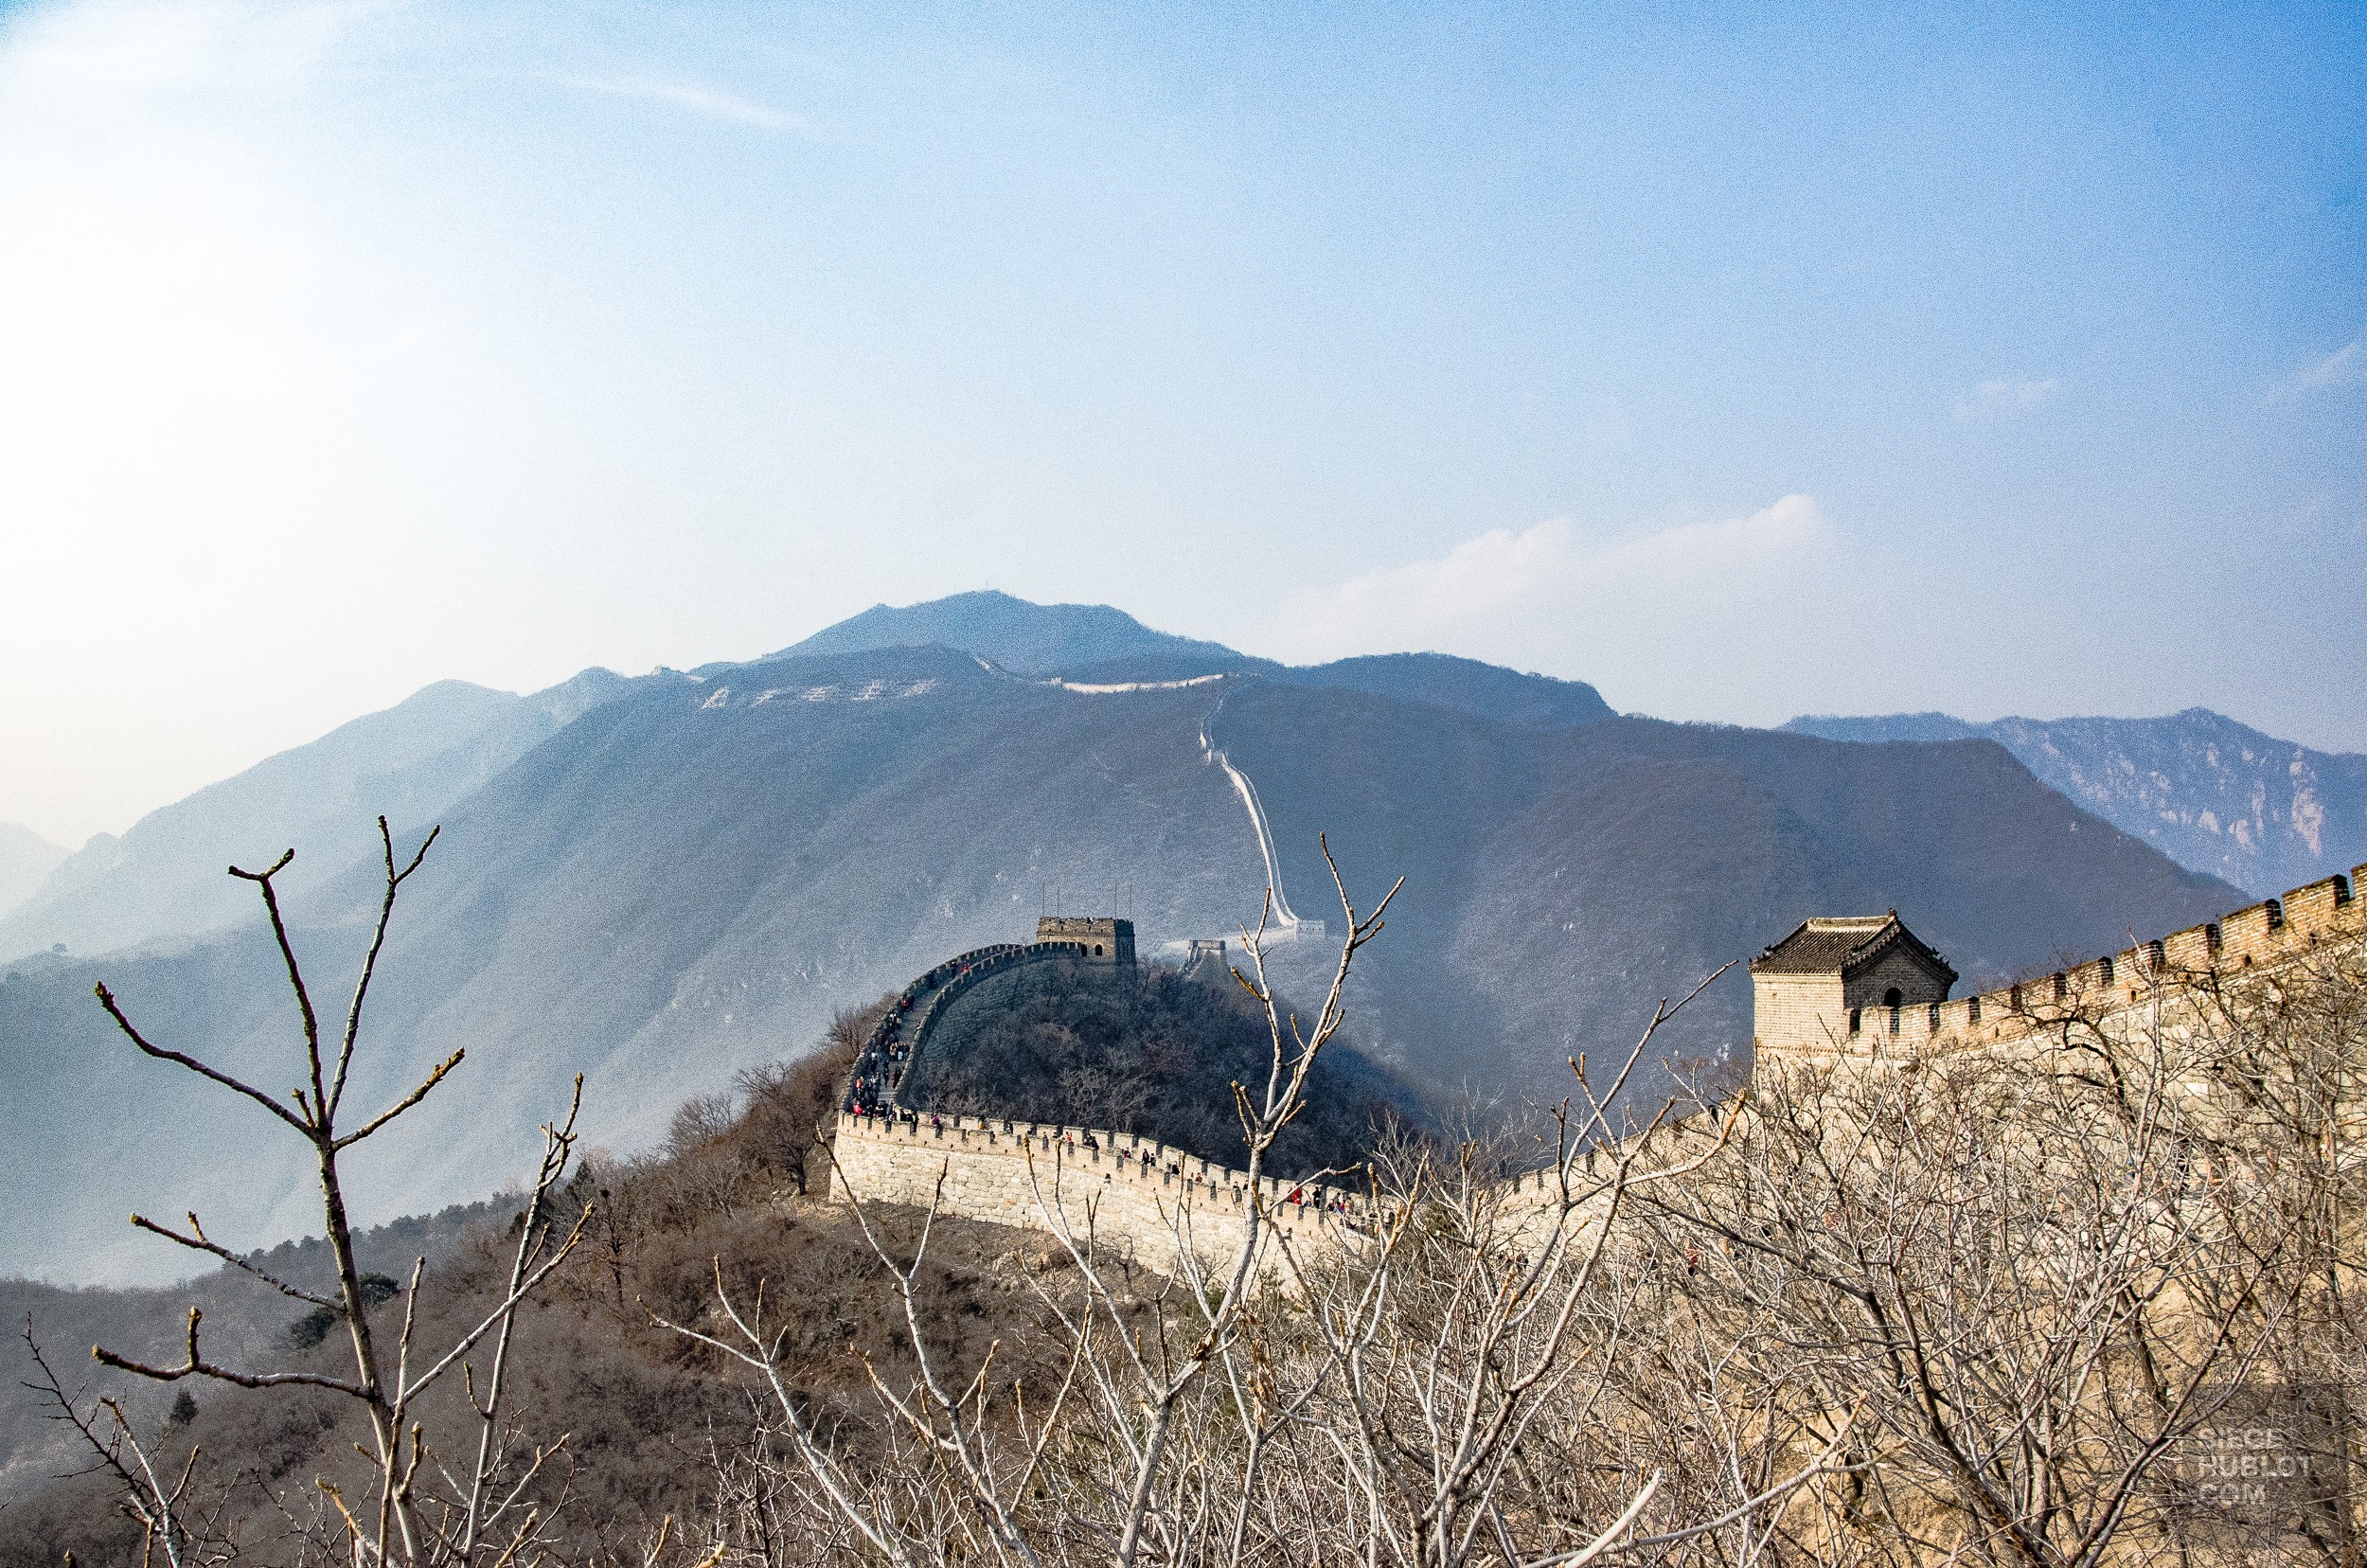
1814	991
1105	938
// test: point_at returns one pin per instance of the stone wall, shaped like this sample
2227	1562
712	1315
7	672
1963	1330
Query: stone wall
1132	1195
1139	1196
2319	917
1105	938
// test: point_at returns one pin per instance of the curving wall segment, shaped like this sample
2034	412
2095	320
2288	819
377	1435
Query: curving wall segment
1131	1193
895	1043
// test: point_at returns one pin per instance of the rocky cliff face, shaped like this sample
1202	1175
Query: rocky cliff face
2215	796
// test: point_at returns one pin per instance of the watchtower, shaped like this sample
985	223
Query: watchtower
1810	991
1105	938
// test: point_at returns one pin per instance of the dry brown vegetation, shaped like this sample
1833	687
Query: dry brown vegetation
1983	1306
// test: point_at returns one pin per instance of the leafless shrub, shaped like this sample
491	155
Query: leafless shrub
419	1508
1381	1400
2027	1275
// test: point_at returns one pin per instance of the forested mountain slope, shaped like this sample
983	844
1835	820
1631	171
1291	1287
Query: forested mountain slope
689	878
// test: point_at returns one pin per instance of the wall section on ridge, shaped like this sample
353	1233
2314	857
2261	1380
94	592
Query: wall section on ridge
1131	1195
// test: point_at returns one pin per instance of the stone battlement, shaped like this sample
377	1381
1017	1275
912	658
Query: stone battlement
1104	939
2259	936
1135	1195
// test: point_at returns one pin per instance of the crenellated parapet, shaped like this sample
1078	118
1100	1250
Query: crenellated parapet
1129	1194
913	1015
1834	1022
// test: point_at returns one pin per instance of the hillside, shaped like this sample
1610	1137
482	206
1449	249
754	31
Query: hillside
2212	794
246	1321
1155	1054
642	1417
689	879
25	859
162	880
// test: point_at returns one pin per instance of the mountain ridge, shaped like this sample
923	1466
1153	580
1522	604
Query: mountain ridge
2211	792
162	880
1023	638
691	877
25	861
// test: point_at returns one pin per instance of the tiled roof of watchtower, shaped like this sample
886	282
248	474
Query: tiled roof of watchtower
1840	944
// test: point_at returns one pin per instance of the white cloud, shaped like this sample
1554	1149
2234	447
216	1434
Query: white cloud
2345	366
706	102
1658	618
2004	399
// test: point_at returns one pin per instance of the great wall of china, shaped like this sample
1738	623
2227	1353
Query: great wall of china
1137	1195
1834	1014
1131	1192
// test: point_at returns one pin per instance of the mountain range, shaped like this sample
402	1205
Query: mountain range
163	879
661	880
2212	794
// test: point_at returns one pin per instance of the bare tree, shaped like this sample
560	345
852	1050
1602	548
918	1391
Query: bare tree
455	1517
1253	1399
2004	1262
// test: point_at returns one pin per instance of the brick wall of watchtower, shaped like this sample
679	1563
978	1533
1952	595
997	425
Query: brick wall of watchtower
1105	939
1807	1016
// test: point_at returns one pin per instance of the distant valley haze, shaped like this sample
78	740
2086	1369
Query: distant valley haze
659	880
791	491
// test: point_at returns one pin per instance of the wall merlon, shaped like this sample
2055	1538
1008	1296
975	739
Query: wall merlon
2249	935
2320	909
2193	950
1790	1008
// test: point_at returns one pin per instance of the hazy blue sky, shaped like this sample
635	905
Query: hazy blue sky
1743	362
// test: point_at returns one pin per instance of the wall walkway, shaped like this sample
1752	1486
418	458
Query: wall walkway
1138	1197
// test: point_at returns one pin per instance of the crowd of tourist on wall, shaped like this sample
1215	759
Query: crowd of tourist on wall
886	1056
